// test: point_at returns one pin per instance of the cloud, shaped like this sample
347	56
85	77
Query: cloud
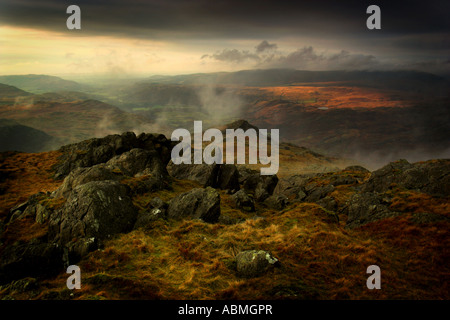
264	45
232	55
306	58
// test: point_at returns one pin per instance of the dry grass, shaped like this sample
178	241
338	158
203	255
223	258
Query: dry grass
28	173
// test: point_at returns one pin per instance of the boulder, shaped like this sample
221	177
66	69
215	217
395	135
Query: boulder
254	263
93	212
205	174
79	176
260	186
278	202
222	176
137	162
243	201
199	203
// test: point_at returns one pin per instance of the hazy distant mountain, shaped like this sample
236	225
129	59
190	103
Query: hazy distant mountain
17	137
272	77
37	83
7	91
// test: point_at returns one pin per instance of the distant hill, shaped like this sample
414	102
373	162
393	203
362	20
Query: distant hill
17	137
77	120
405	80
7	91
37	83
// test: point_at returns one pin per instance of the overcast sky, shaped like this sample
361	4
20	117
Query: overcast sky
170	37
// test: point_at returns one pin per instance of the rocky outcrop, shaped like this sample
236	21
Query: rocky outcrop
93	212
373	202
99	150
79	176
432	177
253	263
221	176
199	203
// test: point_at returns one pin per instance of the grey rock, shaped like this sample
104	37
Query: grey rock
260	186
93	212
367	207
199	203
243	201
81	176
253	263
278	202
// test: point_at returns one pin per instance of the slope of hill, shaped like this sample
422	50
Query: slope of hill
41	83
10	92
76	120
17	137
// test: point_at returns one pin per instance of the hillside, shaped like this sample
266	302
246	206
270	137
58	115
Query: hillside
167	232
39	83
17	137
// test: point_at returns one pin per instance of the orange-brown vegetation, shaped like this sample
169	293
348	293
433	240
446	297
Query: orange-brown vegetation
27	174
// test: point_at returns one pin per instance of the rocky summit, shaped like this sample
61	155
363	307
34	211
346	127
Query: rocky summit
122	211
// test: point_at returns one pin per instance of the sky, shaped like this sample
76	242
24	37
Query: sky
137	37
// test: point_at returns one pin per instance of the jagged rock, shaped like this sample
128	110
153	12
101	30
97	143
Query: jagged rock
33	259
94	211
99	150
243	201
30	208
260	186
222	176
198	203
81	176
138	162
245	173
227	178
293	187
328	203
367	207
157	210
253	263
205	174
318	192
432	177
278	202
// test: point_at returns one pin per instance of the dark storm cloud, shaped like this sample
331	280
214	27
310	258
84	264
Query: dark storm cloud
229	19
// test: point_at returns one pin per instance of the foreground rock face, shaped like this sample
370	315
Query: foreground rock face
198	203
432	177
93	212
99	150
373	202
253	263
